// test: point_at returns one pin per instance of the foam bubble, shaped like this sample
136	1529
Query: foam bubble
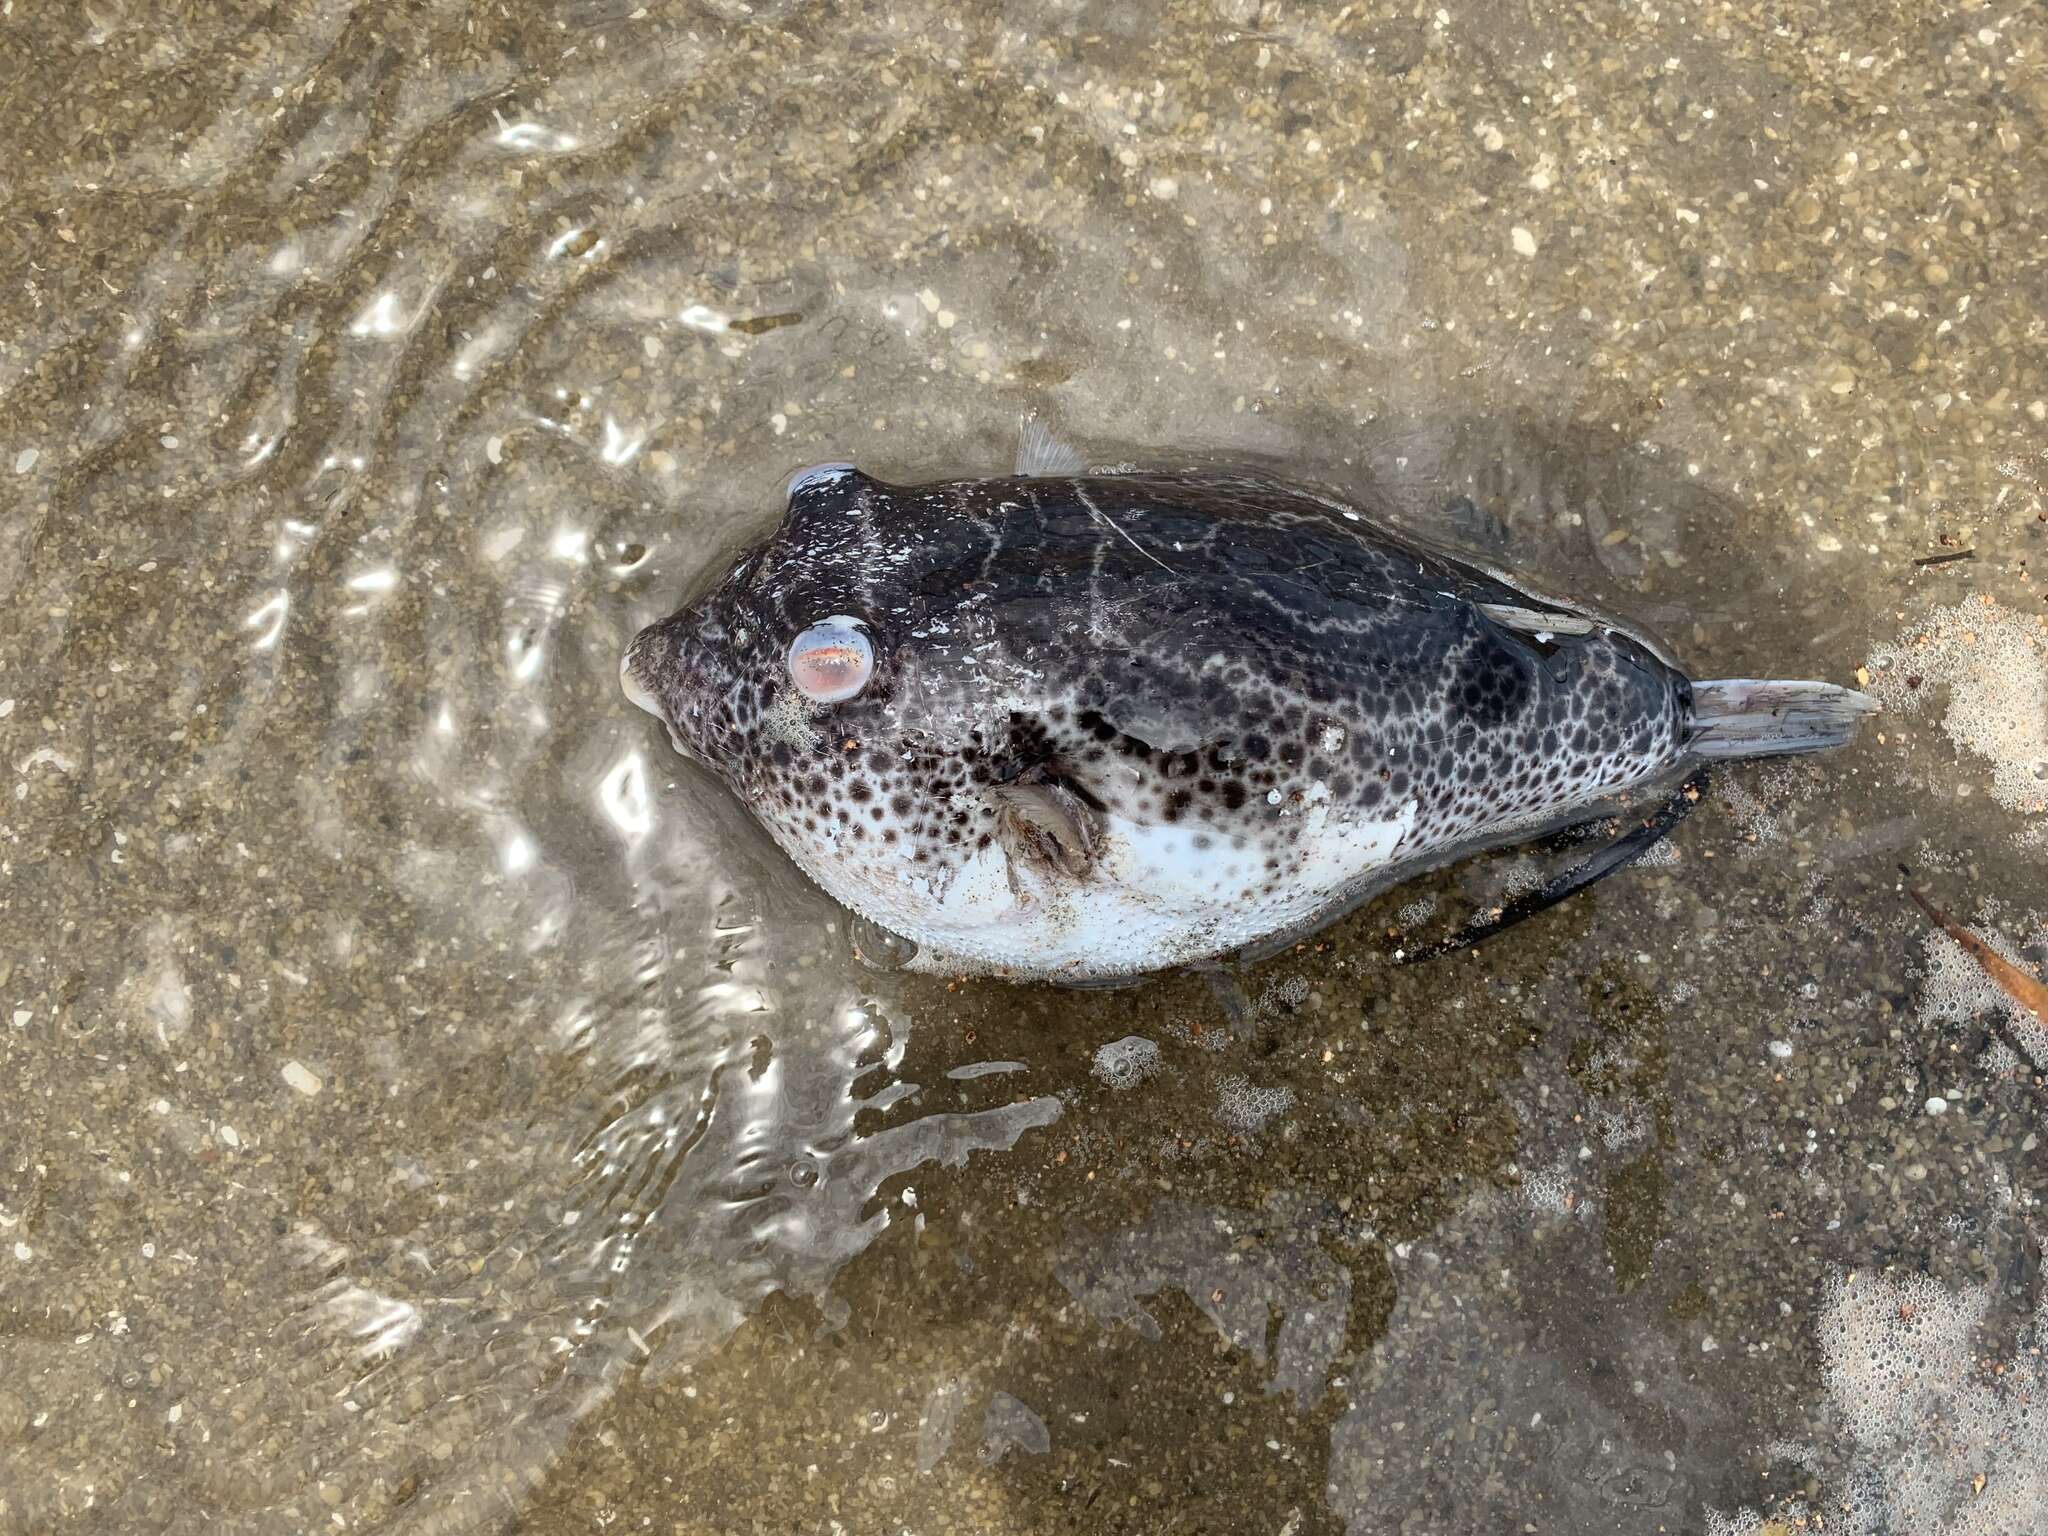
1246	1108
1760	800
1127	1062
1549	1191
1622	1125
1288	993
1993	663
1751	1522
1659	854
1955	990
1943	1445
1416	912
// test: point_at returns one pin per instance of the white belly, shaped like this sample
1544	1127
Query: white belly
1151	900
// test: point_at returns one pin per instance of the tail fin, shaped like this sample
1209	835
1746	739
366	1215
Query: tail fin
1747	717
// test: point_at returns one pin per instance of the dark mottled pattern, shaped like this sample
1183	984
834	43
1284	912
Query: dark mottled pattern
1201	651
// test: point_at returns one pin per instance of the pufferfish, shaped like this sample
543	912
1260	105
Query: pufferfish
1080	727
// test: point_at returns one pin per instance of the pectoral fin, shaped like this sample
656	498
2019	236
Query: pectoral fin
1040	452
1045	824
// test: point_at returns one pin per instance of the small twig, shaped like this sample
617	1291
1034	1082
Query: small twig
2026	993
1961	554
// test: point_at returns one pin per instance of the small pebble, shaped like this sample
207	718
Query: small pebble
1525	243
1937	1105
301	1078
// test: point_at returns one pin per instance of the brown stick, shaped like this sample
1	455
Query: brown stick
2027	991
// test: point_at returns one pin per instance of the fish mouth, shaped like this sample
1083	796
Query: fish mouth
638	692
635	690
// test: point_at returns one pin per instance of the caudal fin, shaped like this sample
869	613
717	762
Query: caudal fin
1748	717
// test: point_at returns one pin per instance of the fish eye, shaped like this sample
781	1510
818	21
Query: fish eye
832	660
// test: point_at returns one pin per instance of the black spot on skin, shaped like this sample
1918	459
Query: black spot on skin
1176	803
1233	795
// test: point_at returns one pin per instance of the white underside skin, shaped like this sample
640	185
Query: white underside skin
1151	900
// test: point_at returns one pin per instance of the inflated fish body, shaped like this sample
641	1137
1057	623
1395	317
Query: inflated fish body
1081	727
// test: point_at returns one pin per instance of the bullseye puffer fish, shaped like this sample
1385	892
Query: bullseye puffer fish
1081	727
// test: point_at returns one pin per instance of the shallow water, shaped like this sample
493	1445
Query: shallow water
434	1107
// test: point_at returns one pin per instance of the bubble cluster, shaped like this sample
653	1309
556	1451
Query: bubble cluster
1992	664
1946	1445
1127	1062
1622	1125
1284	995
1416	912
1955	990
1659	854
1760	799
1549	1191
1246	1107
1751	1522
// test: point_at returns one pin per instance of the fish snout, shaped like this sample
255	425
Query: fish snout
636	688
